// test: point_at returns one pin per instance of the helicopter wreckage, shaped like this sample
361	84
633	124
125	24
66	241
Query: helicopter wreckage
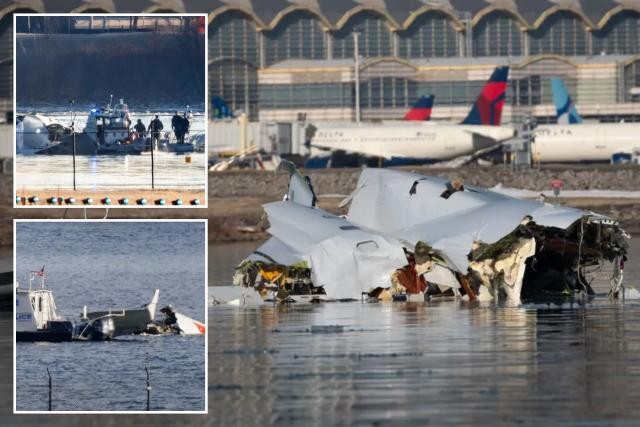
407	236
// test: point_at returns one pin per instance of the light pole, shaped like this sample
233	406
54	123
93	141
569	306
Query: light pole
153	143
73	138
356	54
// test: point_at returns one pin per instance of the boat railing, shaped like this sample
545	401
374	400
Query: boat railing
35	275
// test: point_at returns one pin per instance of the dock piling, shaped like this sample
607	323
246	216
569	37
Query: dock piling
148	387
49	374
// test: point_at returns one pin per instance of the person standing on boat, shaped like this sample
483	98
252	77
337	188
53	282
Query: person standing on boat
177	124
186	124
155	127
140	129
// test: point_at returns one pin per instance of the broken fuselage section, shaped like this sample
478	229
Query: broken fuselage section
408	235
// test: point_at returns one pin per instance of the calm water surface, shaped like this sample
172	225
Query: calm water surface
115	265
438	363
114	172
111	172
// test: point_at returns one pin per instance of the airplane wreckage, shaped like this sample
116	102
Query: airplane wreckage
407	235
37	318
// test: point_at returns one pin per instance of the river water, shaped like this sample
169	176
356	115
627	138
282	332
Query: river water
112	171
115	265
416	364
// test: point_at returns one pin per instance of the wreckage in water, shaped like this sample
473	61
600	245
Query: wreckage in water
407	234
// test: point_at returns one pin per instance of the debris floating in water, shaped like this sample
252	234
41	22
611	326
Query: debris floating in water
326	329
402	240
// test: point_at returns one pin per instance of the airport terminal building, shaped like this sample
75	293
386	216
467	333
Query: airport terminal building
294	60
281	60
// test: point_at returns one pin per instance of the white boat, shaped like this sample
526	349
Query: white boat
37	318
107	131
35	132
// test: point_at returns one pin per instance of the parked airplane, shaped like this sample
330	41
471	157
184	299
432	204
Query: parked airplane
566	112
426	141
571	140
421	110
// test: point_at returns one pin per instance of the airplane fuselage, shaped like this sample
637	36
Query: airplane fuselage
585	142
410	140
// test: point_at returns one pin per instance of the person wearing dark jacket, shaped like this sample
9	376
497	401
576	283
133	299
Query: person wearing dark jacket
177	124
155	128
140	128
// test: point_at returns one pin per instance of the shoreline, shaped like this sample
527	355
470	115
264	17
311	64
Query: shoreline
236	197
131	194
240	219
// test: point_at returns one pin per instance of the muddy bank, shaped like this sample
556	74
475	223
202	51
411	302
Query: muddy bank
235	197
132	195
240	193
343	181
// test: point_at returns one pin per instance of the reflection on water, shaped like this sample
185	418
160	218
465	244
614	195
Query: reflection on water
111	172
444	363
439	363
114	172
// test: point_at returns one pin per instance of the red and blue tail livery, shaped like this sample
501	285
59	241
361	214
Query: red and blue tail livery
487	110
421	110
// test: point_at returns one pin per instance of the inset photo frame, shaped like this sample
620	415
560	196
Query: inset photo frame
110	316
110	110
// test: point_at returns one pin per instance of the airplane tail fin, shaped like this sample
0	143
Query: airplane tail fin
566	112
421	110
487	110
220	108
152	305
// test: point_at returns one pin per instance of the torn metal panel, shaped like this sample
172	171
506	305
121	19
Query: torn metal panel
405	232
344	259
391	201
276	251
410	207
442	276
506	273
300	190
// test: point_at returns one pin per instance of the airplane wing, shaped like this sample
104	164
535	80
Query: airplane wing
372	150
498	134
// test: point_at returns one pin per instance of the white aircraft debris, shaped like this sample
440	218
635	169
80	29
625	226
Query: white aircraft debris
408	234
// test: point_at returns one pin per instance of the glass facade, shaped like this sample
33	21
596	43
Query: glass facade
239	47
562	33
236	82
375	36
535	89
6	57
431	35
307	95
498	34
375	93
298	35
621	35
234	35
632	81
